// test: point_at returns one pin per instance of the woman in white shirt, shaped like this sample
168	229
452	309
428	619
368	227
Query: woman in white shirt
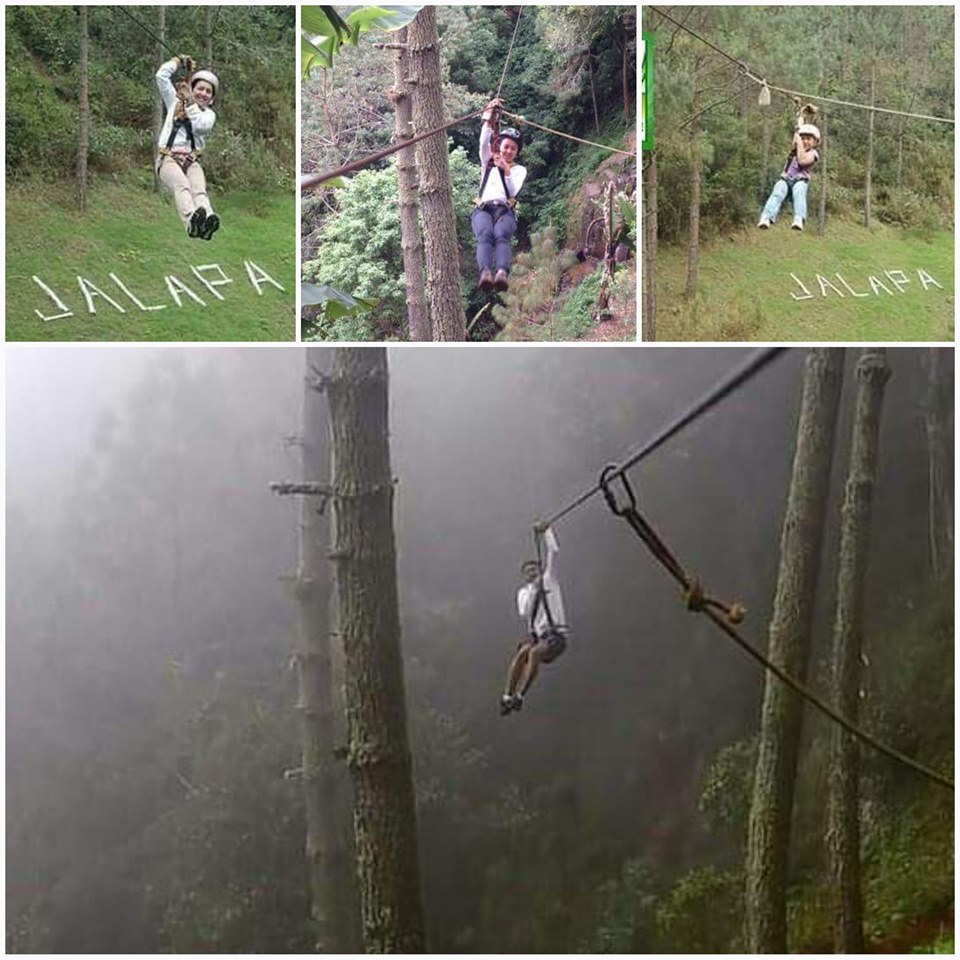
540	604
494	221
188	122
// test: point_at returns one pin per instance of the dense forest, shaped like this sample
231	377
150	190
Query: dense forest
83	115
204	677
729	85
569	69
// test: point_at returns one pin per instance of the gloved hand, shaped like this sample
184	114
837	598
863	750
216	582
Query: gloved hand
187	63
495	104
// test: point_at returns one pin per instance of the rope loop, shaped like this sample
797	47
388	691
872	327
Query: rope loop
608	494
696	601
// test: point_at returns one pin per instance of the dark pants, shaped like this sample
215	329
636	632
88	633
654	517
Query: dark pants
493	225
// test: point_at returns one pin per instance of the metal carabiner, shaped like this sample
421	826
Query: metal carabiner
611	497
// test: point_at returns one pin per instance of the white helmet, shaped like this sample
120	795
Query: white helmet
211	78
804	128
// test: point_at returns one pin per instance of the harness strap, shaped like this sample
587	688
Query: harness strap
540	600
181	123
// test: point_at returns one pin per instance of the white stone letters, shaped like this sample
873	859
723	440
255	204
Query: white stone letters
260	277
897	278
65	311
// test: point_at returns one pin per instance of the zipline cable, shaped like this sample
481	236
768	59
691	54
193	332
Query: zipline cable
794	93
147	30
752	366
509	51
726	615
568	136
314	179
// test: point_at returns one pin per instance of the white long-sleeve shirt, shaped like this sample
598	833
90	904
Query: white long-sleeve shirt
494	186
527	594
201	119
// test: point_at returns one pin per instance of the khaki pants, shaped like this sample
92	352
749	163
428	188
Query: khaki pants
189	189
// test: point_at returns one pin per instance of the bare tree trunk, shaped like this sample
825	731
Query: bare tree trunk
593	93
436	188
208	35
418	320
369	621
765	154
843	813
822	213
938	418
625	63
83	97
696	164
649	312
768	838
158	117
334	908
868	187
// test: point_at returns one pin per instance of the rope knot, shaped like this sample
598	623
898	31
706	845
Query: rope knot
696	601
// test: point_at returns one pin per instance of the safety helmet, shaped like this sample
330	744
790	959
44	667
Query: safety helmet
207	75
511	133
810	129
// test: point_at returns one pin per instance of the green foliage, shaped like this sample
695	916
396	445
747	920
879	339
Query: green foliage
726	789
623	916
943	944
534	286
703	913
256	119
575	317
360	250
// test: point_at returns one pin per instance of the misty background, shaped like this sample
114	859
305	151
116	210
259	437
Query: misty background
149	634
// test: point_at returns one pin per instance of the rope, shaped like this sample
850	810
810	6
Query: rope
314	179
509	51
728	615
146	30
560	133
794	93
753	365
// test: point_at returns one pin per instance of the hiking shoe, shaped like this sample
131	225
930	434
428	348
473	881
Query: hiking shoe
796	225
486	281
518	701
197	221
210	226
501	283
506	704
764	223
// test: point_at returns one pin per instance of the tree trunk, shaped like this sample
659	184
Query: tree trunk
418	320
208	35
822	213
625	38
369	622
768	837
334	910
765	154
868	187
158	116
436	188
938	418
83	98
693	251
593	93
843	821
649	311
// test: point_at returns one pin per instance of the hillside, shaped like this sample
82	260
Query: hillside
746	291
134	234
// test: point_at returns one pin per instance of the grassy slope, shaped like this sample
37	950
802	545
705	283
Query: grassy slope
745	287
135	234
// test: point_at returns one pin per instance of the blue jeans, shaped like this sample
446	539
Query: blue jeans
494	226
781	190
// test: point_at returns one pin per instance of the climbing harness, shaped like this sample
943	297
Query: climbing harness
511	134
540	598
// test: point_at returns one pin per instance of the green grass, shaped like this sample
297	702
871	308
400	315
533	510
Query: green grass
130	231
745	286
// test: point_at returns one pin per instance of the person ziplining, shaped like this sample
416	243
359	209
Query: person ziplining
494	219
540	605
794	181
189	121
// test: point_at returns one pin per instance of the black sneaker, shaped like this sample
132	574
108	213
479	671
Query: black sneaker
210	226
506	704
197	223
517	702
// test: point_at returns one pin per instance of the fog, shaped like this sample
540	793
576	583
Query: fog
150	628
